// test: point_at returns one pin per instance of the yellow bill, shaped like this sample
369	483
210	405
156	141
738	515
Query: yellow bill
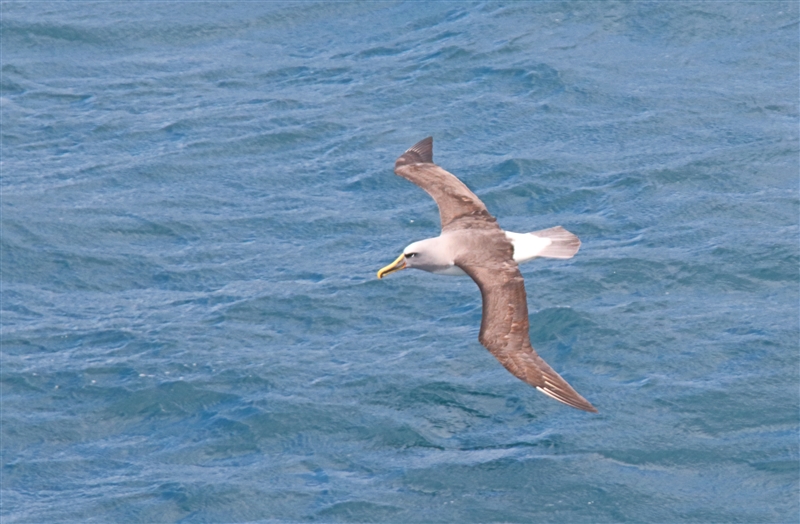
397	265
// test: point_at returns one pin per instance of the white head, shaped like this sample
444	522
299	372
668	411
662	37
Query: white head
431	254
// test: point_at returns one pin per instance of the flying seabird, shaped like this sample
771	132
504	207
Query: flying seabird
473	244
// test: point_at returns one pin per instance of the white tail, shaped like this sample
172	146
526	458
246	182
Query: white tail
555	242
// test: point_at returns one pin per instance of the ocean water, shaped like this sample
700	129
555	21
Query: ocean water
196	197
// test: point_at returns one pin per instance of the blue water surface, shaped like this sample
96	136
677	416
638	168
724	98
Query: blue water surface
196	197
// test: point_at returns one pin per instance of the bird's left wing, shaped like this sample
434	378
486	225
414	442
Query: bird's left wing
504	327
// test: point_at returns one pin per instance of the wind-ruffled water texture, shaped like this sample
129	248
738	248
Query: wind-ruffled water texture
196	197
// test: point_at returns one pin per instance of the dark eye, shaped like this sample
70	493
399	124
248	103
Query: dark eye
410	255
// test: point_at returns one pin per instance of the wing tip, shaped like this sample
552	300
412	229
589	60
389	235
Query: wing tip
574	400
419	153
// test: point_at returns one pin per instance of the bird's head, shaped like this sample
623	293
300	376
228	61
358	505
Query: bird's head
427	255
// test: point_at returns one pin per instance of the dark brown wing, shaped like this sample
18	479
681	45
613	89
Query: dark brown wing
459	208
504	325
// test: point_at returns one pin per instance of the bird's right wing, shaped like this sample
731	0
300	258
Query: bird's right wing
459	208
504	329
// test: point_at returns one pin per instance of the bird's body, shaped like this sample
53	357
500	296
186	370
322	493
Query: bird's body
555	242
472	243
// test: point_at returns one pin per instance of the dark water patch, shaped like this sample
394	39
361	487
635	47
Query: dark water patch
380	51
166	400
539	80
37	33
735	411
559	324
293	76
359	511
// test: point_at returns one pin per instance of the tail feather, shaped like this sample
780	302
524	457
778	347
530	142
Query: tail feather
555	242
564	244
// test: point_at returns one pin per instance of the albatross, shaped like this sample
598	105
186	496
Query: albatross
472	243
